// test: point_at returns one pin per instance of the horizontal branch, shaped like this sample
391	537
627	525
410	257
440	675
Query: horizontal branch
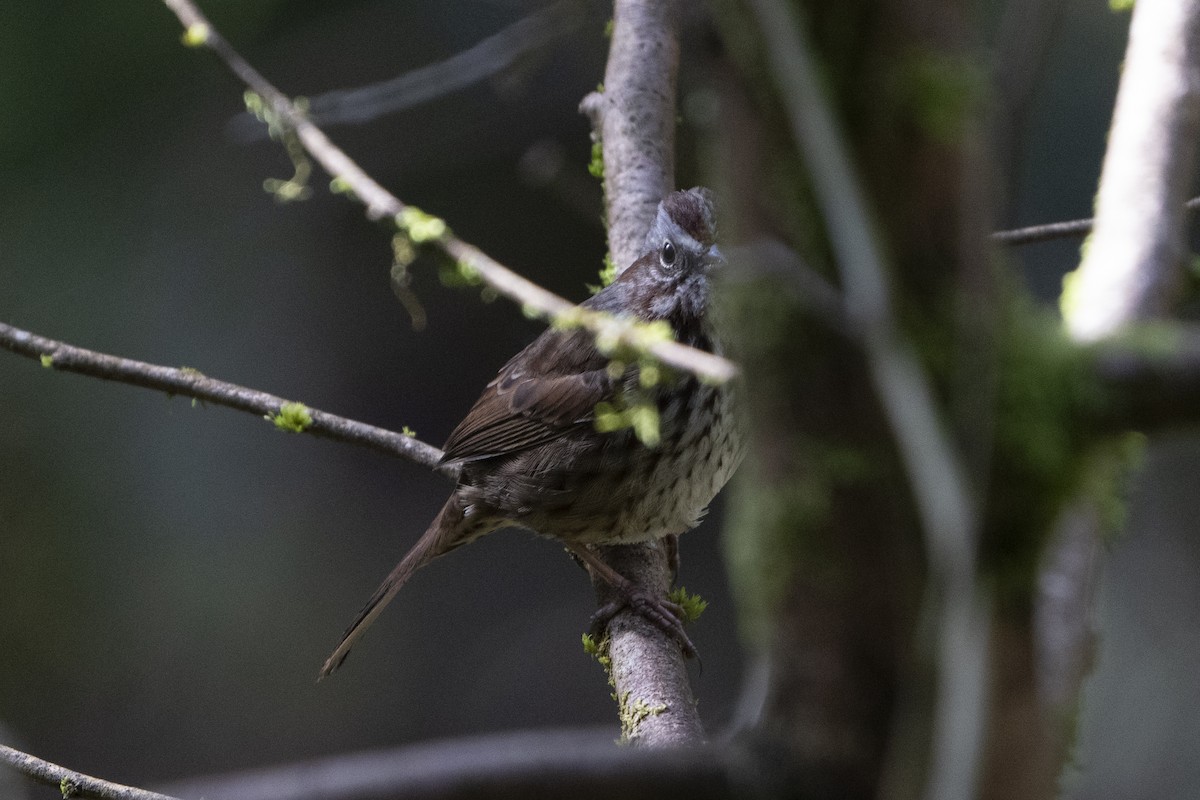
382	204
1075	228
191	383
580	764
70	783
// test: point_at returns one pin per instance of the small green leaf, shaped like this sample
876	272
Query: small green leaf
47	360
608	273
292	417
568	320
407	431
196	35
340	185
693	605
596	165
403	254
644	420
420	226
289	191
68	788
649	375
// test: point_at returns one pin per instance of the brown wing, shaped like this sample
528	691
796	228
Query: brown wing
552	385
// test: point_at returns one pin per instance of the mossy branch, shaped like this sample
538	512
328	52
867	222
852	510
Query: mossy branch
71	784
188	382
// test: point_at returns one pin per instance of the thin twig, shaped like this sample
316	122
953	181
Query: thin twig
73	784
492	55
381	204
190	383
1076	228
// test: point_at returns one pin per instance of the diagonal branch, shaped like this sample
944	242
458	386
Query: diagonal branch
382	204
190	383
71	783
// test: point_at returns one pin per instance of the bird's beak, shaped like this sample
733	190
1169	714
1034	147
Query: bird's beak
714	260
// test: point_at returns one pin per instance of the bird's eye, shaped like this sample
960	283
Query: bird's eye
667	256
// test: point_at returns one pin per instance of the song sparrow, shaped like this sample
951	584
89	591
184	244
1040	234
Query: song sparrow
531	453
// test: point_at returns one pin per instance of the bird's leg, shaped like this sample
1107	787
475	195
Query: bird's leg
671	543
659	611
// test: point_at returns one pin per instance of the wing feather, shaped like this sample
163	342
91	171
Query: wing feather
536	397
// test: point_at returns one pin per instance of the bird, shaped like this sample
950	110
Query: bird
538	450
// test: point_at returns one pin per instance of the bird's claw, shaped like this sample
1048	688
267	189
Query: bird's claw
663	614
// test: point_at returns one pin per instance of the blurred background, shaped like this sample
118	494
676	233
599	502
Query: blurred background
171	577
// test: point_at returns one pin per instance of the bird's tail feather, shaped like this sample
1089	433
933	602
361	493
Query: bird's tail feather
442	536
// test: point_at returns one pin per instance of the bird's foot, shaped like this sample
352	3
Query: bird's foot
660	612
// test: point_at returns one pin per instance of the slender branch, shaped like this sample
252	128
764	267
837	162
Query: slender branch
72	784
381	204
1076	228
1136	257
1069	229
190	383
488	57
948	518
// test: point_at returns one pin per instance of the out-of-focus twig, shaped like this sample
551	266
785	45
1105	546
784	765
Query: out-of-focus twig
489	57
580	764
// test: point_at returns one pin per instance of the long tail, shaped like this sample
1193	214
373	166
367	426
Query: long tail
444	534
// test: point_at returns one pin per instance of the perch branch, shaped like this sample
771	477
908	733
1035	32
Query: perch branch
381	204
72	784
635	118
190	383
